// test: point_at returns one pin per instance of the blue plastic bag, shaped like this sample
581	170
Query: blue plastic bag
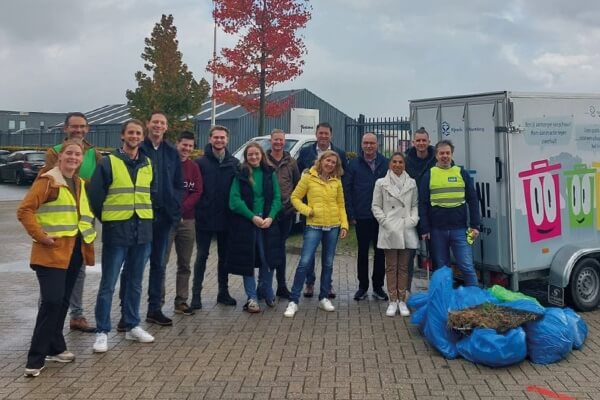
470	296
549	339
436	324
419	317
417	300
488	347
577	327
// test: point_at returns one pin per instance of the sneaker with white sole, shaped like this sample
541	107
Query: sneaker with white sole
32	372
326	305
139	335
291	310
404	311
392	309
101	343
64	357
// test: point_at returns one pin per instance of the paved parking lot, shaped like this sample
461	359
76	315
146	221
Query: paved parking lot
223	353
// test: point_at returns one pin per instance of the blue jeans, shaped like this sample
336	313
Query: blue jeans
133	260
161	226
442	240
312	238
265	275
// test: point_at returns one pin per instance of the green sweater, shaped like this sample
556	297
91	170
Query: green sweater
238	206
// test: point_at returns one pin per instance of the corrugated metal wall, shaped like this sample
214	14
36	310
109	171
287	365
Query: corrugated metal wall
246	127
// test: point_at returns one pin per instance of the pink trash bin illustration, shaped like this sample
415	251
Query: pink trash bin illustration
542	199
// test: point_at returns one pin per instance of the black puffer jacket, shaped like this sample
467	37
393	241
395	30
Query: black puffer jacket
212	211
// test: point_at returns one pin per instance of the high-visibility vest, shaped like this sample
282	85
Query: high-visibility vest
446	187
123	198
88	164
60	217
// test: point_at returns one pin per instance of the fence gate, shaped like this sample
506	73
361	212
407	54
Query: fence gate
393	134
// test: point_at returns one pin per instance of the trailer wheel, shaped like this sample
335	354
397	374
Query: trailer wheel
584	285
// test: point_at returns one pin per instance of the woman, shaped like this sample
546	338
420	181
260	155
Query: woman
254	241
326	220
56	214
395	207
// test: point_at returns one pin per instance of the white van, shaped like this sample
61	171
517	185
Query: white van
293	144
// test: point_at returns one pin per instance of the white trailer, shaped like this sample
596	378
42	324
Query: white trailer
535	160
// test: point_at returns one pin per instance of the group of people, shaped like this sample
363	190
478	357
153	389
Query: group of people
149	195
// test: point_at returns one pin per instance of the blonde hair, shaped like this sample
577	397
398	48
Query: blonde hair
338	171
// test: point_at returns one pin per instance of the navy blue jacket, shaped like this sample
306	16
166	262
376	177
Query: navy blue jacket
448	218
415	166
119	233
359	182
308	155
212	211
166	165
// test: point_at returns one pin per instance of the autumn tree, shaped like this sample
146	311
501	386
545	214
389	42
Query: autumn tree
268	52
167	84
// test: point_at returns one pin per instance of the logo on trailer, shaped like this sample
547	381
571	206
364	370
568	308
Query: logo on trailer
445	128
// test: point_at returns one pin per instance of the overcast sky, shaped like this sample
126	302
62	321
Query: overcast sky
364	56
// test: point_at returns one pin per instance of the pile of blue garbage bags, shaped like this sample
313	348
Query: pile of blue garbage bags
546	340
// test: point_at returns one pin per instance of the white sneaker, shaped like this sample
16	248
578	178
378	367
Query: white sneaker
392	309
404	311
101	343
291	309
139	335
326	305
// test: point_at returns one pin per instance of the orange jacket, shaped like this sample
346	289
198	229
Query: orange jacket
44	189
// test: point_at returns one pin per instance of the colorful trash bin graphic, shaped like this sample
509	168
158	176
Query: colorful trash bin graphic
580	192
541	188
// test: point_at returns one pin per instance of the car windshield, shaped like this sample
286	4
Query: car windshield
36	157
265	143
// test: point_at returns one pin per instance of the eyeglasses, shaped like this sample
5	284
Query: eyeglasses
77	126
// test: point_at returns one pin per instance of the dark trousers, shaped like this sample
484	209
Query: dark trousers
203	239
367	231
285	226
56	286
161	226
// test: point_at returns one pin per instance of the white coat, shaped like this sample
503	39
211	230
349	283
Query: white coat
396	210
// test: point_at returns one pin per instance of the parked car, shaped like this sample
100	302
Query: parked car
293	144
3	156
22	166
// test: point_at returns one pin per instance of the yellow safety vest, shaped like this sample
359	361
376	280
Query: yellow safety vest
446	187
60	217
123	198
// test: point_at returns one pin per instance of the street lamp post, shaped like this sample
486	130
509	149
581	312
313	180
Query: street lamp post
214	79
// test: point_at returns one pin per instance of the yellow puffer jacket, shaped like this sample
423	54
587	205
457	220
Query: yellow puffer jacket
325	200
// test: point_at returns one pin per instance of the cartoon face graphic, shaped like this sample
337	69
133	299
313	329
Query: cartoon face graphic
541	189
580	192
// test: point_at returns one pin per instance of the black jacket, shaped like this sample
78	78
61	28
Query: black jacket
166	166
308	155
359	183
242	255
212	211
119	233
417	167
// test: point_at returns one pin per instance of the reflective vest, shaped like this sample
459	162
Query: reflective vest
123	198
88	164
446	187
60	217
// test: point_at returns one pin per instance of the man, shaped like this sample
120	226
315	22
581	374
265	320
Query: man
76	127
306	159
218	167
419	159
184	233
447	205
359	184
288	176
120	196
166	203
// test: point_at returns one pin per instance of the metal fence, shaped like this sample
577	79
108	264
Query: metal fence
393	134
101	136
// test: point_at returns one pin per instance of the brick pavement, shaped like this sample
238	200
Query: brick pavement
223	353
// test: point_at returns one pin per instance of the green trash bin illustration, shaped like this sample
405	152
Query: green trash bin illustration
581	194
